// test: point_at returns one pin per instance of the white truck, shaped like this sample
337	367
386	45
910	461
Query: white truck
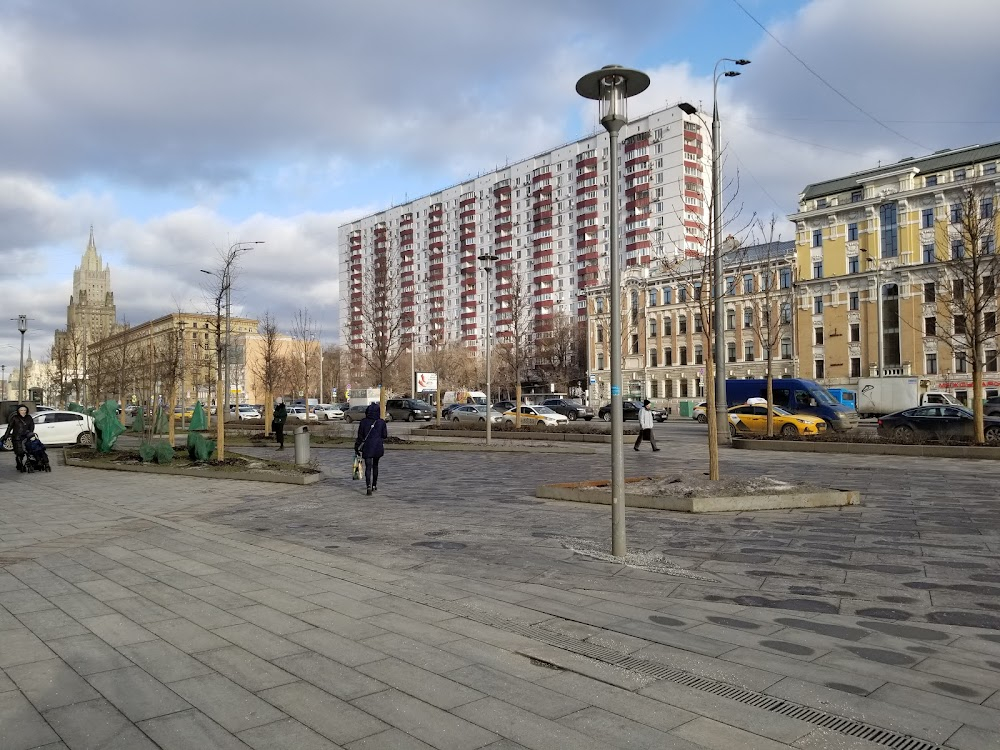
365	396
880	396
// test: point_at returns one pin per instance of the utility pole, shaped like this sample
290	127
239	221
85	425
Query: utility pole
22	326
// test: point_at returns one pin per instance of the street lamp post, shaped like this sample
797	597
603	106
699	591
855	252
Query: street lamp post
183	395
611	86
22	326
489	259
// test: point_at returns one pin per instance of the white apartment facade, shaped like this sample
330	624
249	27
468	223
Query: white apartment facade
547	221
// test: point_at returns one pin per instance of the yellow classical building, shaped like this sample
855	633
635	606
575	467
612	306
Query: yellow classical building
879	255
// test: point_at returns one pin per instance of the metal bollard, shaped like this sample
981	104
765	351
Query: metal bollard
301	446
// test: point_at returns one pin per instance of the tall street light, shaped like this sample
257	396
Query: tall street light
22	326
489	259
611	86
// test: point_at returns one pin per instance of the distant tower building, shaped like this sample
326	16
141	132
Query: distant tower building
90	315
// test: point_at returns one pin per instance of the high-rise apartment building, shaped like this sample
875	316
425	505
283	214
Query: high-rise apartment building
545	218
883	261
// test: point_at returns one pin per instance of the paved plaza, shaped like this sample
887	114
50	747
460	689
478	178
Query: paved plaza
454	610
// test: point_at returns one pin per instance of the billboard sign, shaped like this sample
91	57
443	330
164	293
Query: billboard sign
427	381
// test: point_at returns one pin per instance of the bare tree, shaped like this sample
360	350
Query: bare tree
558	353
966	289
384	323
271	365
302	338
514	331
769	305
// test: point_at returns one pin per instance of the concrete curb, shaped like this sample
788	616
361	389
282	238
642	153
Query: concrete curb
870	449
206	473
597	492
540	435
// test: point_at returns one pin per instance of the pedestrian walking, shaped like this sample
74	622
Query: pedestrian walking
19	427
370	444
278	422
645	427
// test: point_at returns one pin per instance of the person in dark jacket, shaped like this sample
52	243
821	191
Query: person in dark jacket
370	444
278	422
19	427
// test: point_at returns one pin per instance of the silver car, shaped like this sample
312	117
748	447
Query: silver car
474	413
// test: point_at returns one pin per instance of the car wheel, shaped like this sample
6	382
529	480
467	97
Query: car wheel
348	419
388	416
607	417
326	417
86	439
702	419
456	420
732	430
992	435
411	418
481	419
572	416
789	430
904	434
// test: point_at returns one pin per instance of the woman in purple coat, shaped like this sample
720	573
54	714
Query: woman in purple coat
370	444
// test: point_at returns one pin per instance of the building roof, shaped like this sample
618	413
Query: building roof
936	162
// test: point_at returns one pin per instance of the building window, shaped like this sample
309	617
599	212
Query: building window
696	287
818	270
668	357
682	325
653	361
684	355
986	207
730	319
654	388
731	351
855	332
785	278
748	284
697	324
928	253
747	317
600	361
682	293
653	298
930	292
817	305
821	203
635	343
599	305
853	264
853	301
990	168
855	367
930	364
927	218
930	180
748	351
818	334
957	249
890	230
786	348
600	334
961	363
730	285
786	313
955	213
989	245
930	326
820	369
668	326
991	360
958	289
684	388
852	231
960	325
990	322
668	295
699	357
856	196
817	238
652	328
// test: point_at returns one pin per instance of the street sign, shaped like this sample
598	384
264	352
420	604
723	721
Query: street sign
593	379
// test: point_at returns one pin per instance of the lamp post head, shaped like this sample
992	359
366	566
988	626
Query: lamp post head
611	86
732	73
688	109
22	323
741	61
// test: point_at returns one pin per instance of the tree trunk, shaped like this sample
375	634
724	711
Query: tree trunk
437	402
517	405
713	422
171	428
268	412
220	424
977	400
770	396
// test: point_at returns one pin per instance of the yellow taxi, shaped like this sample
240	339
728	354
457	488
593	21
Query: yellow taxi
753	418
535	416
187	412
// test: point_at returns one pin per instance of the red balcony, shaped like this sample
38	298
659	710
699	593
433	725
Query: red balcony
589	162
543	176
587	203
587	176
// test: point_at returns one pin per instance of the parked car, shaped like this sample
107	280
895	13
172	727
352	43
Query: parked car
326	412
179	411
536	415
992	407
245	411
570	408
946	424
300	414
355	413
753	418
502	406
447	410
42	407
58	427
408	409
473	413
630	410
700	413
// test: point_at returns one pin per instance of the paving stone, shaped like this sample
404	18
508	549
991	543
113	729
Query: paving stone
6	683
517	692
190	730
973	738
939	705
524	727
21	647
271	619
20	601
708	733
335	678
50	684
259	641
96	725
826	739
392	739
336	647
165	662
232	582
245	669
21	726
280	601
186	636
117	630
786	666
962	672
415	629
137	695
905	720
81	605
346	605
348	627
336	720
140	610
284	734
8	621
612	729
105	590
220	597
419	654
439	691
437	728
226	702
204	614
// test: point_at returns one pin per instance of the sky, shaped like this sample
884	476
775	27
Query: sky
177	129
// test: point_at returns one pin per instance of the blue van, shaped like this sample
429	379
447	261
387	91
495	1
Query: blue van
796	395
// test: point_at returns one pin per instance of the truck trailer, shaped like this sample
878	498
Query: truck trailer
880	396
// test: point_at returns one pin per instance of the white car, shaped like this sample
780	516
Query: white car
326	412
300	414
59	428
244	411
536	415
